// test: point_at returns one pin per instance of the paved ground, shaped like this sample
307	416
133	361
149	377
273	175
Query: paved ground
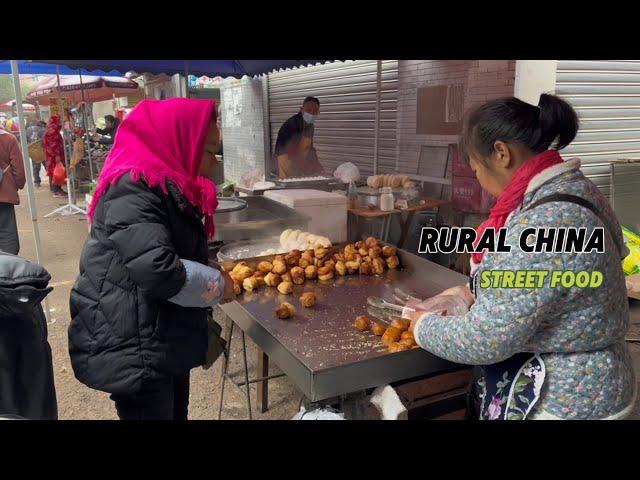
62	240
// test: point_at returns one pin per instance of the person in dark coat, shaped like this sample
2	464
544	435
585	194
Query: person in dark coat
294	151
27	388
108	133
139	308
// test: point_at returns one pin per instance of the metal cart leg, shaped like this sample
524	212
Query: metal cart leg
246	376
263	387
225	366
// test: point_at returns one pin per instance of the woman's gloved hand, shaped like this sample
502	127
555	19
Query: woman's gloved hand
204	286
454	303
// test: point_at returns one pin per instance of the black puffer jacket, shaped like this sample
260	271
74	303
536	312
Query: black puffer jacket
26	368
124	334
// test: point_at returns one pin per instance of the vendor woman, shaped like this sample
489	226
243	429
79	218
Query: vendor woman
547	353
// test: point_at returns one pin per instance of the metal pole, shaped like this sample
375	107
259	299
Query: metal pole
28	169
64	137
86	125
186	78
376	140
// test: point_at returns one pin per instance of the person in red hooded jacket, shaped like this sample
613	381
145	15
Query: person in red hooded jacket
54	153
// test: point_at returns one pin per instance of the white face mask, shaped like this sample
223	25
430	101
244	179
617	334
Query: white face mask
308	118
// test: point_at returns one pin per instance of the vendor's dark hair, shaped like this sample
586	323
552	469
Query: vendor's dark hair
111	118
512	120
311	99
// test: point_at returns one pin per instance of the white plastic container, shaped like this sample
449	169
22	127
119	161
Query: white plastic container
386	199
327	211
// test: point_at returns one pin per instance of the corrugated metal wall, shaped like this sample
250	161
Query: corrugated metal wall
345	129
606	96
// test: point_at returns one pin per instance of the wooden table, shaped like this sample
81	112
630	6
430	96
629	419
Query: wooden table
428	204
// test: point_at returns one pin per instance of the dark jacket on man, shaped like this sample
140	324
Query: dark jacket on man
124	335
290	136
27	388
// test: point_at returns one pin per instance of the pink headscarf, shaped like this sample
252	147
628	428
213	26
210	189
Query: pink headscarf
164	140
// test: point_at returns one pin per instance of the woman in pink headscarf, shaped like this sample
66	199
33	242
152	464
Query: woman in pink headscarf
141	305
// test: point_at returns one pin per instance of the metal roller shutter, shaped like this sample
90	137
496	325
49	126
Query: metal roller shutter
606	96
345	129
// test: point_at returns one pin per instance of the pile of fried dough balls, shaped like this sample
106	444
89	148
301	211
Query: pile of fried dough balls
396	336
367	257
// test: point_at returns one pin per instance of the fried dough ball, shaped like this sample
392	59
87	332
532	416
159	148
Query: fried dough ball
351	256
285	288
293	258
311	272
350	248
393	262
321	252
272	279
250	284
244	272
406	334
279	257
388	251
286	277
363	252
415	346
397	347
309	253
265	267
285	310
378	329
238	266
352	267
329	264
362	323
341	268
308	299
237	288
259	276
338	257
305	262
407	342
371	242
375	252
297	275
279	267
401	324
325	273
378	266
360	244
391	335
365	268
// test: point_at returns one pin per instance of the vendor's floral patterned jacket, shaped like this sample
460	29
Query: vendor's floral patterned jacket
579	333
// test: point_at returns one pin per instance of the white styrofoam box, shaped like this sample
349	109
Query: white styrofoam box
327	211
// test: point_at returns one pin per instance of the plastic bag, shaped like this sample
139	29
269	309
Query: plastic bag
59	175
252	177
347	172
318	414
442	304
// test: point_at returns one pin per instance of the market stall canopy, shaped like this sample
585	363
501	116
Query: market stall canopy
210	68
11	105
88	88
30	67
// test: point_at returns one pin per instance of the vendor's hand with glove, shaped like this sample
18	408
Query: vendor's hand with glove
453	301
204	286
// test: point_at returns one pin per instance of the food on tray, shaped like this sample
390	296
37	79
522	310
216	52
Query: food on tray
388	251
305	262
285	310
406	334
308	299
297	275
250	284
377	264
285	288
362	323
363	252
265	267
237	288
279	267
375	252
286	277
293	258
238	266
391	335
320	252
401	324
329	264
365	268
397	347
352	267
311	272
371	242
395	181
393	262
259	276
295	239
338	257
378	329
341	268
272	279
325	273
408	342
